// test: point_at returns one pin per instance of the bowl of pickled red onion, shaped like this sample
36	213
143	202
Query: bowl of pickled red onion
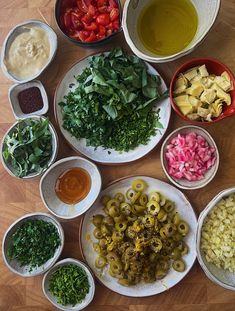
190	157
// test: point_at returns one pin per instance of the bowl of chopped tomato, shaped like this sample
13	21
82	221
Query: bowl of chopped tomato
88	23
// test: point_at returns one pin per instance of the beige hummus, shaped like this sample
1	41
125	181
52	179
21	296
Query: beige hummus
28	53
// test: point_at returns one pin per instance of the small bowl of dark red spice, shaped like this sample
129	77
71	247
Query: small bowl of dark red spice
69	285
70	187
88	23
28	99
29	147
32	244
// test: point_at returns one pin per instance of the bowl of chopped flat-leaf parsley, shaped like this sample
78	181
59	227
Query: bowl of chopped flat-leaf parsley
32	244
69	285
29	147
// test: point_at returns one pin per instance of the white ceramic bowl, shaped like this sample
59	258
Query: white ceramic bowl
48	194
13	265
53	300
55	143
15	89
221	277
207	13
11	36
209	175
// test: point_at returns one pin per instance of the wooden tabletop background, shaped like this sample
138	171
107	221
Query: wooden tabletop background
195	292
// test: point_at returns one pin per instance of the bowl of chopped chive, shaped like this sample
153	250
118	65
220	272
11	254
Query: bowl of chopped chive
32	244
29	147
69	285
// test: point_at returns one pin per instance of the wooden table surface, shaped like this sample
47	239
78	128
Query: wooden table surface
195	292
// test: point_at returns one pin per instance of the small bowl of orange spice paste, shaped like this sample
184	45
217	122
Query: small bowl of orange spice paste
70	187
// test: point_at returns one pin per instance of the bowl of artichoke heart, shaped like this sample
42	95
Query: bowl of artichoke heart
29	147
69	285
216	239
32	244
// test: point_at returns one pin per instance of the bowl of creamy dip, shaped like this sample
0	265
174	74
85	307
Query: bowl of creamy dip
27	50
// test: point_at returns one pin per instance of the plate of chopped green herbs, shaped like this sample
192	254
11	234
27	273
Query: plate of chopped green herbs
69	285
29	147
112	107
32	244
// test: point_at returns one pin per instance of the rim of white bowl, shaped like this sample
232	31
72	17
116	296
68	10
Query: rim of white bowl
162	156
164	58
201	219
3	52
29	216
66	159
55	141
89	275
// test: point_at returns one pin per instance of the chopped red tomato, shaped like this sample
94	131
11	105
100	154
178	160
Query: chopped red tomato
91	38
89	20
103	19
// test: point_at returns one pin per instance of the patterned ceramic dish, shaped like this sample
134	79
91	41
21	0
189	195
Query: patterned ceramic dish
24	271
219	276
207	14
45	285
210	174
142	289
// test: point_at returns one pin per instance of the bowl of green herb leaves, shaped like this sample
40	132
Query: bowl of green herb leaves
32	244
112	107
69	285
29	147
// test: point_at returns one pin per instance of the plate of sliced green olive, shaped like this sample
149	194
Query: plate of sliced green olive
140	234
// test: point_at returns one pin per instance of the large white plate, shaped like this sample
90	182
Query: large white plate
101	155
140	290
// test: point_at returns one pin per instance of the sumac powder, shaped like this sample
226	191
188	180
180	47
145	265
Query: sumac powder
30	100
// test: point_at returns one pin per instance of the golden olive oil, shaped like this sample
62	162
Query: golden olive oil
166	27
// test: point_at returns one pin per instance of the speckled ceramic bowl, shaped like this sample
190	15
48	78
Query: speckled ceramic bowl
48	194
89	297
221	277
209	175
55	144
24	271
18	29
207	14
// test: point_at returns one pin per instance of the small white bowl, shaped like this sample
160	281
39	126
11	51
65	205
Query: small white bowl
55	143
13	265
209	175
14	101
89	297
11	36
221	277
48	194
207	13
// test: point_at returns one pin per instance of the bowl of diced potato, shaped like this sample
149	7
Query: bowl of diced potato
202	91
215	239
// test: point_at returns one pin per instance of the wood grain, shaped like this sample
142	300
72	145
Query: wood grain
195	292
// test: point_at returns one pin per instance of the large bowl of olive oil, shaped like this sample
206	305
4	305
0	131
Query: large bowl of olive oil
164	30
